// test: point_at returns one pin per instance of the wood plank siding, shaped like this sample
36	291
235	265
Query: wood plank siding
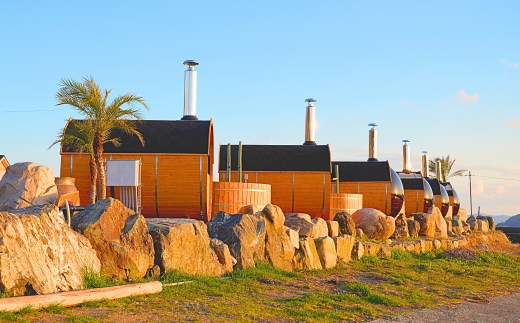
414	201
308	193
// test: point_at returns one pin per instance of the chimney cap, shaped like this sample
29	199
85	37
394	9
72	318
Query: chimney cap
424	152
372	124
310	100
191	62
406	140
437	159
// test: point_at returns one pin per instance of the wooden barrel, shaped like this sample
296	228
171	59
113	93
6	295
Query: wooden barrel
67	186
232	196
344	202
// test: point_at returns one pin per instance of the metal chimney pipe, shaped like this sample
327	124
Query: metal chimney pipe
310	123
438	169
425	165
190	91
407	166
372	143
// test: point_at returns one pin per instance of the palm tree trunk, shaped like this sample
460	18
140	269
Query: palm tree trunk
98	154
93	180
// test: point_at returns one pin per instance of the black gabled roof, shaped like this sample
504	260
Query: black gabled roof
448	188
278	158
351	171
436	187
412	181
162	137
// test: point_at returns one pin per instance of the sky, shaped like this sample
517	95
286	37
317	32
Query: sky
443	74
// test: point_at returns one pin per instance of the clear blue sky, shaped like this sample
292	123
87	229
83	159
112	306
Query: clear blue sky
442	74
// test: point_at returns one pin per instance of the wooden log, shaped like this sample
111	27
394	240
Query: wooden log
78	297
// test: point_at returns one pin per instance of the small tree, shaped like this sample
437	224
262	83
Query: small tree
446	166
91	101
79	136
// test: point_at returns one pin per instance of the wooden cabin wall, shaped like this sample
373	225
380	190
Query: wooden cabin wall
414	201
311	196
374	195
178	182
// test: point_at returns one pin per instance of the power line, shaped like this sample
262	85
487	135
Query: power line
42	110
28	129
507	179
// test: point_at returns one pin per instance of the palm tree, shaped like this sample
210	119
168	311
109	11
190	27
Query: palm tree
91	101
79	136
446	165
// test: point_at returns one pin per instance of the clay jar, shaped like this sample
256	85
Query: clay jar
66	185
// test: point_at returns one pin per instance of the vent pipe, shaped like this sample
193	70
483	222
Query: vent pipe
190	91
310	123
425	164
407	166
372	143
438	169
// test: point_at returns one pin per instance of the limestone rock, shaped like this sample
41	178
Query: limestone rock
456	226
184	245
465	227
401	227
371	248
437	244
294	236
490	220
359	233
249	209
346	224
413	228
119	236
326	252
432	225
244	234
344	244
385	250
321	226
40	254
307	256
279	249
428	245
333	227
220	218
301	223
358	250
224	256
154	272
374	223
482	225
472	221
27	184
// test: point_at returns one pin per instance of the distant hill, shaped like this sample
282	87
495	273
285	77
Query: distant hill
513	221
498	218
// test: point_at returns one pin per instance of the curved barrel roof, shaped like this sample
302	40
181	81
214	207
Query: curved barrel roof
362	171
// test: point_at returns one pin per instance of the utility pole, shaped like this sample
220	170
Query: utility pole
470	196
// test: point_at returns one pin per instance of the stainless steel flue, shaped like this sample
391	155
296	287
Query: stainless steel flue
372	142
310	123
407	166
438	169
425	164
190	91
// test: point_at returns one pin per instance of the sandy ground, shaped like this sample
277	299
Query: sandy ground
504	308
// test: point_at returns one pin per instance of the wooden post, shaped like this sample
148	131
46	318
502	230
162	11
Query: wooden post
228	177
240	162
68	211
470	196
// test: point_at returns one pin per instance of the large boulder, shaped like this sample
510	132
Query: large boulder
184	245
249	209
294	236
301	223
306	257
220	218
326	252
279	249
224	256
346	224
490	220
401	227
344	245
119	236
40	254
321	226
456	226
245	236
482	226
374	223
413	228
27	184
432	225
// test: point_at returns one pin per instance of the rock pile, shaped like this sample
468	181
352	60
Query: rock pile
374	223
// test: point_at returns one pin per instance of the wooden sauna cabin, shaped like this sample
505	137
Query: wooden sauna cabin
454	197
176	171
376	181
299	175
418	195
440	195
3	165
